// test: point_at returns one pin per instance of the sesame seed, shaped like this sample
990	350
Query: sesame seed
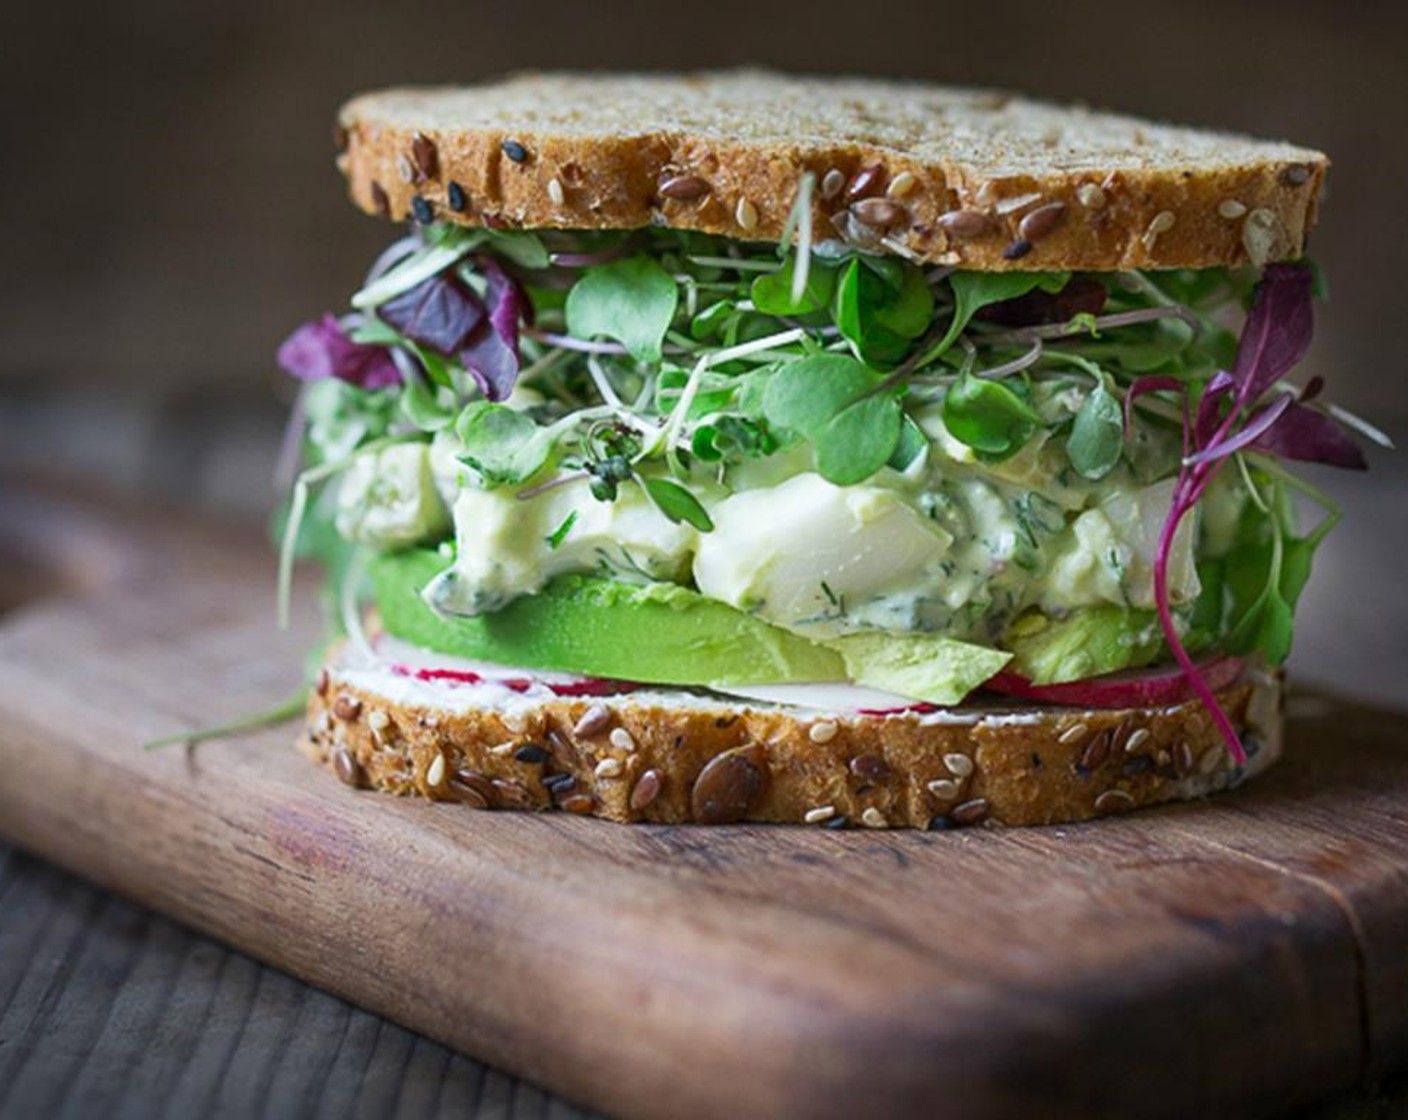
822	732
1016	202
378	721
1230	209
1211	760
684	188
902	184
1017	250
621	739
435	772
959	764
1183	760
608	768
1090	196
1161	222
1113	801
820	813
514	150
746	215
424	212
1294	175
556	193
455	197
1072	733
403	168
1138	737
874	818
831	183
594	721
1259	236
504	748
322	724
514	721
945	789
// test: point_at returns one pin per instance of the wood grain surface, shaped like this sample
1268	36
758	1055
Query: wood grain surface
1241	957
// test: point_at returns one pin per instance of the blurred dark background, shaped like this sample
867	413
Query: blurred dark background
171	209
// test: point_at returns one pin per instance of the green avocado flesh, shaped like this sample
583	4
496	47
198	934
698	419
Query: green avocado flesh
653	633
1090	642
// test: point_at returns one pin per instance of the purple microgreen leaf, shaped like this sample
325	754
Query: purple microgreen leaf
1277	331
1142	385
320	349
1261	422
491	354
1309	436
1210	408
1183	499
492	363
439	313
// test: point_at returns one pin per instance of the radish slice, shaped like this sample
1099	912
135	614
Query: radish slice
1150	688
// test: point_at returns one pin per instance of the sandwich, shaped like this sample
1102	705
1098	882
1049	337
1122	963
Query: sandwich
743	447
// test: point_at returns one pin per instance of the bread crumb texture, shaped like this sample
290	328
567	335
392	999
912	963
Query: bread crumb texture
969	178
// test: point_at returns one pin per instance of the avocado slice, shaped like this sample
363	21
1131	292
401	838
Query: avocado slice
651	633
1088	643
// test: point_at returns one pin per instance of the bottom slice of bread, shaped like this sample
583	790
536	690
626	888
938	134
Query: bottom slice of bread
672	756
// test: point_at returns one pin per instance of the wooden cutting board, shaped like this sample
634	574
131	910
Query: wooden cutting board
1237	957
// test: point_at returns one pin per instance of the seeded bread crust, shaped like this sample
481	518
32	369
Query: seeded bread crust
974	179
627	761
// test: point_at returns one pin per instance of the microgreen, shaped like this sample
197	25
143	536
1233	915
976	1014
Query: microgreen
824	399
1097	436
632	301
502	444
988	416
677	503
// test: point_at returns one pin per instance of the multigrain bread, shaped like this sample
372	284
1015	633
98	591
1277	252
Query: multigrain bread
972	179
711	759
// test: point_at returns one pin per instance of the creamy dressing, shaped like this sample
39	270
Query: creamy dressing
951	546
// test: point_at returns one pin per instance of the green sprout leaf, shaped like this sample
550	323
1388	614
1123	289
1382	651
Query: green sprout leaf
632	301
988	416
972	291
772	292
501	443
823	399
1097	436
912	444
879	319
677	503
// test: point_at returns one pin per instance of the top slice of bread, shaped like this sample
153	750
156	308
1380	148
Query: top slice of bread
973	179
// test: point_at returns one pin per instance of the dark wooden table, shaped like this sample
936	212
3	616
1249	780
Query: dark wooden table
108	1009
